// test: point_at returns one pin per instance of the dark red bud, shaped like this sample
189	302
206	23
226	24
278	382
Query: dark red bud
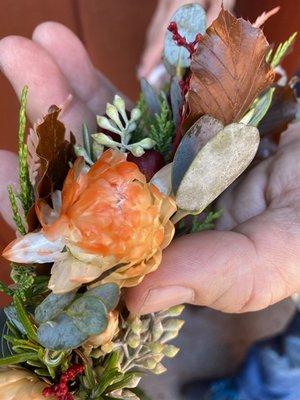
149	163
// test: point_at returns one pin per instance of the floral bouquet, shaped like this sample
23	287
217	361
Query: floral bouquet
94	217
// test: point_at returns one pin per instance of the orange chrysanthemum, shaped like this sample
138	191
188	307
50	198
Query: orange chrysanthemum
109	217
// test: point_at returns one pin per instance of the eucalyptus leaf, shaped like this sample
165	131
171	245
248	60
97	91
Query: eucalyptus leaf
12	316
89	315
219	162
192	142
176	98
60	334
109	294
53	305
190	20
150	97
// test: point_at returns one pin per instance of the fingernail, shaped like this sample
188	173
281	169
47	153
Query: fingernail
165	297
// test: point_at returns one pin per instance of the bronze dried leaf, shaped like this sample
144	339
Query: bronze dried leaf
49	153
229	70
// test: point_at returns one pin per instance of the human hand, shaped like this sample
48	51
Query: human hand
54	64
252	260
151	56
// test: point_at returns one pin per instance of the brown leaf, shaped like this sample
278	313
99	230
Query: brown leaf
283	110
49	153
228	70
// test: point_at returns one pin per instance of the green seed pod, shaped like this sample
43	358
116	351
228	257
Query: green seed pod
170	335
173	325
136	326
149	363
170	351
156	348
159	369
133	341
173	311
157	331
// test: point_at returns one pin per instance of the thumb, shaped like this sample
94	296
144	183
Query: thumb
210	268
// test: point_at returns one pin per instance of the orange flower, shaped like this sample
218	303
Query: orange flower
17	384
109	217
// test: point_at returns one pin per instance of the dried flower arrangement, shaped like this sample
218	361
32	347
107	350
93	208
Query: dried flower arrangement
94	217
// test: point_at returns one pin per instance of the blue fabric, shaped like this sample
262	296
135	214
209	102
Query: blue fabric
271	371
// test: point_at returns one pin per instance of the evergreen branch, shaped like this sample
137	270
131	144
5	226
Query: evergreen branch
5	289
275	58
208	223
25	185
25	319
162	129
15	210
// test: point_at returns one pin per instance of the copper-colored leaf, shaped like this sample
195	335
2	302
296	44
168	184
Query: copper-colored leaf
283	110
229	70
49	153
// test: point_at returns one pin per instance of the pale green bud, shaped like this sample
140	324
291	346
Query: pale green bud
134	381
136	326
159	369
131	127
107	348
105	123
136	150
133	341
145	325
173	311
113	114
173	325
146	143
170	335
157	331
158	357
170	351
81	152
119	103
156	348
97	150
135	114
148	363
104	140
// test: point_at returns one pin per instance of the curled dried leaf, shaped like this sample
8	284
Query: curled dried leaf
49	153
229	70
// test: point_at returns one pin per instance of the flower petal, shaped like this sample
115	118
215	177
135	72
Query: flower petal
33	248
69	273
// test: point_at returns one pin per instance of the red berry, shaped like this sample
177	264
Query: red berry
149	163
172	27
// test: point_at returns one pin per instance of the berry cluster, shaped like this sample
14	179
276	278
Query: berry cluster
181	41
61	390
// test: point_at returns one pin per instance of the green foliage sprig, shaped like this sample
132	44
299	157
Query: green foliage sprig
275	57
208	223
25	185
17	217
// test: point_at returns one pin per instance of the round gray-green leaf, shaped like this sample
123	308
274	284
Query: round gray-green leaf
191	20
109	293
192	142
52	305
88	314
60	334
220	162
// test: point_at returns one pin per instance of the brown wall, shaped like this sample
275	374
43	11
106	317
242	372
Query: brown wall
113	31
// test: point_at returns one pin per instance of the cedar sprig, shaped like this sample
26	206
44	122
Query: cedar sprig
162	129
208	223
26	193
17	217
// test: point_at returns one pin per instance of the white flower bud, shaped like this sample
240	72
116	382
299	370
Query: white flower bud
158	357
170	351
146	143
113	114
136	150
148	363
81	152
131	127
108	347
119	103
104	140
135	114
97	150
105	123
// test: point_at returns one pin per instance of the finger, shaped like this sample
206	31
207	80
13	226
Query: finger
26	63
8	176
91	87
233	272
